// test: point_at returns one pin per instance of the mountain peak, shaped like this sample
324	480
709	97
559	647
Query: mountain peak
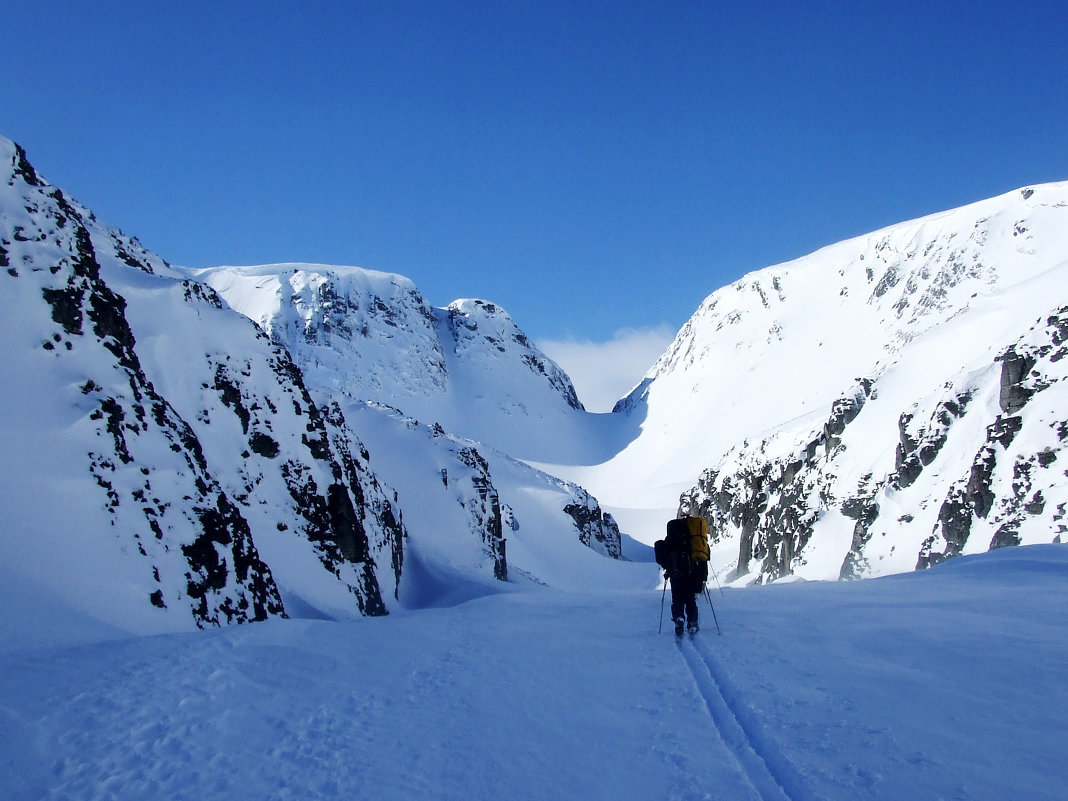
373	337
751	385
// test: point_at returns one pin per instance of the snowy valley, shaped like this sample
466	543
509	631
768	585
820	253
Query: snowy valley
446	557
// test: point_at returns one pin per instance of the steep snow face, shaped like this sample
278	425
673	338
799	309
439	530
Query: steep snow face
476	516
366	335
167	466
170	448
923	313
440	396
371	336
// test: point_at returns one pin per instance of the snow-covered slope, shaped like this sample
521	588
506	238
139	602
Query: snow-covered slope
947	684
371	336
445	398
880	405
475	514
926	326
166	465
171	465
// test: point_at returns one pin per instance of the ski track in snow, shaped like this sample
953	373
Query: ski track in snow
941	685
769	774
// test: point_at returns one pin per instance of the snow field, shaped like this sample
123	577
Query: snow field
945	684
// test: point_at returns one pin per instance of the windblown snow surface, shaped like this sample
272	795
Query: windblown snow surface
946	684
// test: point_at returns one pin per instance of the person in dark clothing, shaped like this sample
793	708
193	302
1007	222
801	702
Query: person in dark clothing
687	579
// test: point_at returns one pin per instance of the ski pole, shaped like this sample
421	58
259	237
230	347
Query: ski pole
661	626
710	606
717	579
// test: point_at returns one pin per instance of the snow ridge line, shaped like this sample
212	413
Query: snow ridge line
771	776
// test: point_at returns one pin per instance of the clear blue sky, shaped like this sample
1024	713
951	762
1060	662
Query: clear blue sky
587	165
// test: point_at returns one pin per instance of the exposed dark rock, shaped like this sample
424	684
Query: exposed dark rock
486	514
264	445
862	508
348	530
977	491
888	281
843	412
194	291
770	507
224	526
229	390
1004	430
23	169
953	527
66	306
112	411
597	529
330	522
917	451
1015	369
970	499
68	212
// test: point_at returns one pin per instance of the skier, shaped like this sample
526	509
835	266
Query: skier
687	576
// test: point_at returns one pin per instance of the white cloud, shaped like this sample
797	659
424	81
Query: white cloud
603	372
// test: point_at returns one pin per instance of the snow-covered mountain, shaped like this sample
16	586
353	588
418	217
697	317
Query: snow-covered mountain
166	462
445	398
876	406
370	336
881	405
169	466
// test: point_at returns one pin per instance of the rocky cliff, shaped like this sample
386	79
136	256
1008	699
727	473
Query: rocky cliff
172	464
153	429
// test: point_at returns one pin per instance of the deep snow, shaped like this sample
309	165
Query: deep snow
912	306
946	684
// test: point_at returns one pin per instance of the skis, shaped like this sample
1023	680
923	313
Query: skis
680	630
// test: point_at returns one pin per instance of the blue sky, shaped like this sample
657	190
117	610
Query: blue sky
590	166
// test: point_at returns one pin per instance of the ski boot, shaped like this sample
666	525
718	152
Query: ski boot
679	625
693	628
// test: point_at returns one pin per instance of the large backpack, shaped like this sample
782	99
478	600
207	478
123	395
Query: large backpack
698	530
687	536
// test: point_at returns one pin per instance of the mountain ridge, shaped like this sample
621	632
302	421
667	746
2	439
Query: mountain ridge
923	299
371	336
883	404
172	468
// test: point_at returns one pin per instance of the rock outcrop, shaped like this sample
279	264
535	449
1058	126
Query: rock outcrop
188	449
